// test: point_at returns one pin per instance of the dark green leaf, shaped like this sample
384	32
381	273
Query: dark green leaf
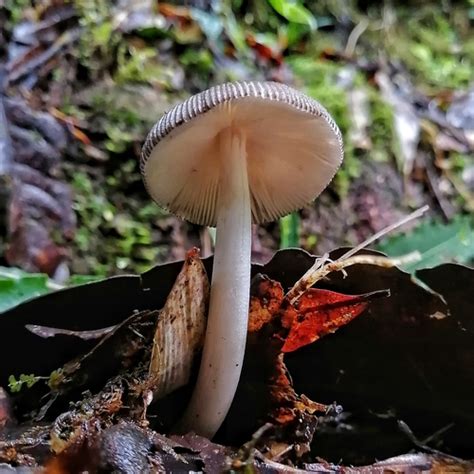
17	286
437	243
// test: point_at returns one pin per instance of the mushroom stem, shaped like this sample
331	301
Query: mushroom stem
226	333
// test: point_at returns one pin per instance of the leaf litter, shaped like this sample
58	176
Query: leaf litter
125	395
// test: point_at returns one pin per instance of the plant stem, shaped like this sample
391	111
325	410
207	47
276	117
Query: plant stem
226	333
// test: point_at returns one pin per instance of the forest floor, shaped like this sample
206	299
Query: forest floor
82	83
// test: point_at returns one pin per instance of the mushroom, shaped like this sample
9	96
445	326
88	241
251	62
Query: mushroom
234	154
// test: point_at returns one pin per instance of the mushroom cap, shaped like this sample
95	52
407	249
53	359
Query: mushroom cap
293	147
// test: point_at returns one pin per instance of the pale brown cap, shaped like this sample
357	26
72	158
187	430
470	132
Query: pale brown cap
294	148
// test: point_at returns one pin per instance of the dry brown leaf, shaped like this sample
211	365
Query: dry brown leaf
180	330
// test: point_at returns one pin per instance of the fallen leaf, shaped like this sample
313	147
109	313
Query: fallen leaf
265	301
180	329
320	312
44	331
413	332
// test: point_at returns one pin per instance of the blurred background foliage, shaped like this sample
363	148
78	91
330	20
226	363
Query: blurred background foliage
396	76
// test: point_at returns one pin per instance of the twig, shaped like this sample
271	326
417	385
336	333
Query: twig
5	143
386	230
18	71
433	184
405	429
313	275
320	268
354	36
6	158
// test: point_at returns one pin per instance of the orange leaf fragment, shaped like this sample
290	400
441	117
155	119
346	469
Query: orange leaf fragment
264	303
288	405
319	312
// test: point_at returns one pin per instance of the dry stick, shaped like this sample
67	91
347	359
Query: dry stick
6	151
319	270
354	36
6	157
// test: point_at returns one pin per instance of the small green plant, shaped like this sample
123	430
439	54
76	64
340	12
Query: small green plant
381	126
290	230
138	65
15	385
55	379
28	380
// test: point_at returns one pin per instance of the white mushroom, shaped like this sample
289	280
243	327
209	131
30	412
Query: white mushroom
234	154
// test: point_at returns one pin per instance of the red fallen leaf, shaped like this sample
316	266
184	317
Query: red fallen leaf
316	313
320	312
264	51
278	326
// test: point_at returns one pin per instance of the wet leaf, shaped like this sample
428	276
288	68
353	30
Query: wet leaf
415	339
40	215
265	301
275	326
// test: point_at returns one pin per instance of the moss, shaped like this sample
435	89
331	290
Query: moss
319	78
113	236
99	39
121	124
433	48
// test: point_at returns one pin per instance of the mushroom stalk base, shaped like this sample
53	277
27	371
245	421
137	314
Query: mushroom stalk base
226	333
